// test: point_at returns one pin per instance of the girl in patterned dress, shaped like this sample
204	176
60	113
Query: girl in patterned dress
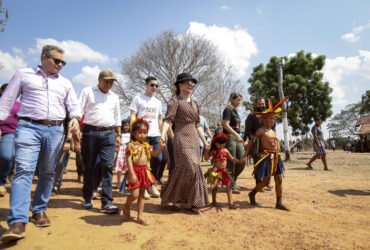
138	161
220	155
120	162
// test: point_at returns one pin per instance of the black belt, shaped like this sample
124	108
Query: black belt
97	128
43	122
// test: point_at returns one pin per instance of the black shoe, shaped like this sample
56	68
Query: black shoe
109	209
88	204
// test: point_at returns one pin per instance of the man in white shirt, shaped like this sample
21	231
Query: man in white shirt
101	135
149	108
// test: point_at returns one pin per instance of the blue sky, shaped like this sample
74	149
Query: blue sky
98	34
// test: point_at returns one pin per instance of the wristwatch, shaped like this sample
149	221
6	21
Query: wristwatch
68	140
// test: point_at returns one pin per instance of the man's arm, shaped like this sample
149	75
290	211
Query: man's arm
132	116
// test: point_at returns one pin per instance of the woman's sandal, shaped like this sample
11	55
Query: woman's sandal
233	206
143	222
194	210
126	214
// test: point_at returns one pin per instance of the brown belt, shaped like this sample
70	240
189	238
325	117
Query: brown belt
97	128
43	122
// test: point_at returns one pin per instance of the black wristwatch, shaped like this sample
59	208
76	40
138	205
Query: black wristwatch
68	140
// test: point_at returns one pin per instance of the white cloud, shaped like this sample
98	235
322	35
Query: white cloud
338	68
74	51
88	76
10	65
236	45
225	7
354	36
18	51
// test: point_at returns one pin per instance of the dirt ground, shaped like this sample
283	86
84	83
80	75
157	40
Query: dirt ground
329	210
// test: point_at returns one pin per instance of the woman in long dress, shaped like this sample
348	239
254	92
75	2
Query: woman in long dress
186	186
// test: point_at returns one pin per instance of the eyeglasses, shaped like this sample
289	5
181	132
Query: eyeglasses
154	85
192	83
58	61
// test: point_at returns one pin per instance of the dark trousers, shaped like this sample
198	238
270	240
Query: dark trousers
171	156
96	143
155	162
79	164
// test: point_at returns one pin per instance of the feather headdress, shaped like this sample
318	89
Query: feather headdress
276	110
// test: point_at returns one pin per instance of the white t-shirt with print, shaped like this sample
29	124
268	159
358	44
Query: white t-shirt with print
148	108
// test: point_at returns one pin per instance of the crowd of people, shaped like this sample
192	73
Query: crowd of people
49	120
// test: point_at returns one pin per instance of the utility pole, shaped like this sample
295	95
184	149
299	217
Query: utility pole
285	115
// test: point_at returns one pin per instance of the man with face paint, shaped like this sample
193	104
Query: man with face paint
101	136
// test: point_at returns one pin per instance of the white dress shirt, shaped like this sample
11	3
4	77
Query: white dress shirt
42	97
100	109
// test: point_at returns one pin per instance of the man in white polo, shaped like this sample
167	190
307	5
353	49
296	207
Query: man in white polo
148	107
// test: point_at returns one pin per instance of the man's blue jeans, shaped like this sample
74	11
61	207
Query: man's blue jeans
33	142
155	162
6	156
94	143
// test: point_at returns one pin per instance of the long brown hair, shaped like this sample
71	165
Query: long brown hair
233	96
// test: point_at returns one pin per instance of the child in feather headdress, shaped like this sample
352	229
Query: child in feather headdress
220	155
138	161
269	163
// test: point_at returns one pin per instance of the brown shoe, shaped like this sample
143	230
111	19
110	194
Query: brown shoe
2	191
40	219
16	231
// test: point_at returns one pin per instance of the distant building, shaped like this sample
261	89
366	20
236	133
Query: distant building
364	132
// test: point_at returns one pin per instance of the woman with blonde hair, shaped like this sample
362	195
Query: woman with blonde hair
235	143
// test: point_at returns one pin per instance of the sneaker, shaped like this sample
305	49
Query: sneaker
154	191
146	195
88	204
109	209
2	191
54	191
235	191
95	195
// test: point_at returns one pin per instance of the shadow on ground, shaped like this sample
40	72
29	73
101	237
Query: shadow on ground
344	192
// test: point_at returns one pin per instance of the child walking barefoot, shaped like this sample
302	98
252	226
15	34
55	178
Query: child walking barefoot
269	163
138	161
120	162
220	154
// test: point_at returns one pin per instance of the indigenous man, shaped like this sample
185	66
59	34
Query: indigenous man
269	162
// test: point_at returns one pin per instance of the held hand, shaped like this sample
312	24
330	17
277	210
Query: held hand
162	144
66	146
73	124
207	146
163	139
240	139
319	145
133	178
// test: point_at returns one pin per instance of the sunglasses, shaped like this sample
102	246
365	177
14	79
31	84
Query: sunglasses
154	85
58	61
192	84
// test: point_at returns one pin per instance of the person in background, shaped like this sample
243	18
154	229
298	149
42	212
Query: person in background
319	145
148	107
7	146
234	143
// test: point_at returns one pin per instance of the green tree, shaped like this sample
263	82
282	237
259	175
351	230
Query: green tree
365	103
343	124
3	16
309	95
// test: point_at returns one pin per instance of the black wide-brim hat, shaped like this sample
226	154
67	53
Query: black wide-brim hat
184	76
